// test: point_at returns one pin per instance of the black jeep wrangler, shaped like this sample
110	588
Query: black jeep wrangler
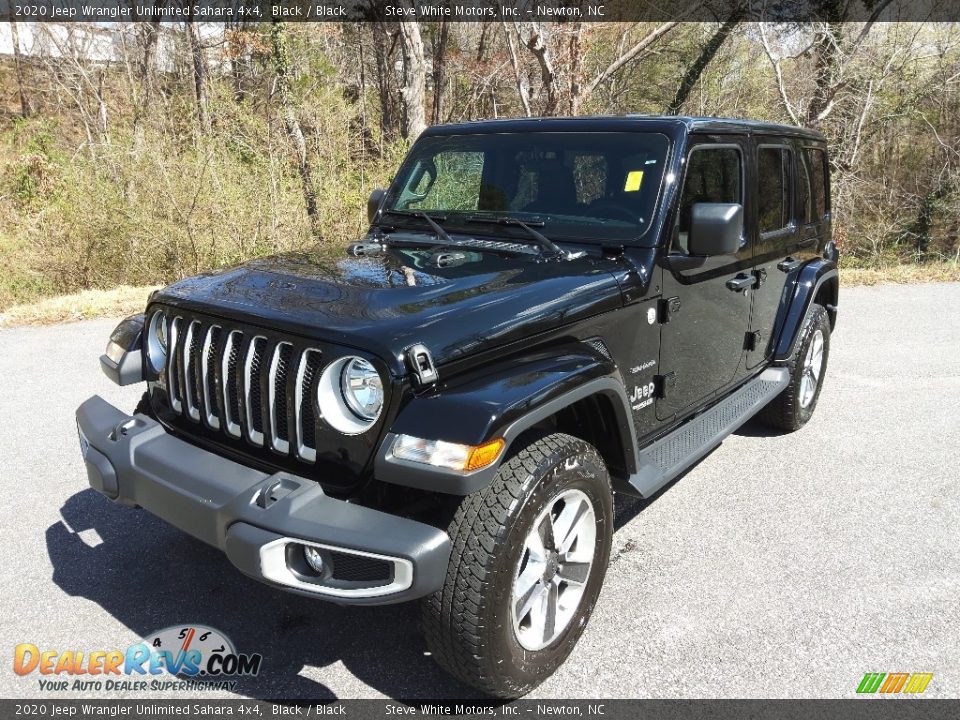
543	313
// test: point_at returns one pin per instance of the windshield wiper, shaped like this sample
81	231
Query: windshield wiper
434	225
548	246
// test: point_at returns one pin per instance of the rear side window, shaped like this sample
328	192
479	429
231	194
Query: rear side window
804	207
714	175
817	164
813	199
773	176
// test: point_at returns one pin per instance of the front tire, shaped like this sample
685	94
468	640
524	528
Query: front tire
530	552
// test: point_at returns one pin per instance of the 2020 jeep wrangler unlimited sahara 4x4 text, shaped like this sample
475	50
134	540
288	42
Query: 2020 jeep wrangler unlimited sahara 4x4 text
543	313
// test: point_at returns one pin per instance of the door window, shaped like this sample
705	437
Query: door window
714	175
773	180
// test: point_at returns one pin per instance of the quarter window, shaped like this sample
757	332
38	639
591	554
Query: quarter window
817	166
773	168
805	190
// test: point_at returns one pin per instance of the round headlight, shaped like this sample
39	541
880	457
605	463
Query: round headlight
350	395
362	389
157	341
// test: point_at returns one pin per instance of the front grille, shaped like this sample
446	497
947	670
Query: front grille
244	385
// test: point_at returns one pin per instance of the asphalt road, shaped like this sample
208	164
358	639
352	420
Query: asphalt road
781	566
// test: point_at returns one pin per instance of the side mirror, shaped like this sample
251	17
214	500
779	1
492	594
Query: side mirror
715	229
374	202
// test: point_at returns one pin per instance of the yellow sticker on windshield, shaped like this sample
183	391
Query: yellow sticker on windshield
634	178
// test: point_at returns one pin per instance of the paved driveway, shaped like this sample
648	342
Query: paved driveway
781	566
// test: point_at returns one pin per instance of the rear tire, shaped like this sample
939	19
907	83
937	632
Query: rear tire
792	408
536	541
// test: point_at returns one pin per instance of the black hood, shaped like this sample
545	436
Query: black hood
388	302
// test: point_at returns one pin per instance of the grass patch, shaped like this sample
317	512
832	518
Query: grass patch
900	274
126	300
84	305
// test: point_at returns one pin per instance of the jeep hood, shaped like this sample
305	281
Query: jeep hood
388	302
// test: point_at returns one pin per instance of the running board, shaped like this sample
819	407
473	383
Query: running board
669	456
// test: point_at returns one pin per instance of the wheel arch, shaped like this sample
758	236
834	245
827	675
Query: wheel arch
816	282
574	390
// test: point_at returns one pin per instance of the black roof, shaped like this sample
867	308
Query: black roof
610	123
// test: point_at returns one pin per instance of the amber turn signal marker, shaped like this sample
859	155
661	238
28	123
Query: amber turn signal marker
484	455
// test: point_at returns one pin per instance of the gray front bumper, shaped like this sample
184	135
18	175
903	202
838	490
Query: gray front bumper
253	516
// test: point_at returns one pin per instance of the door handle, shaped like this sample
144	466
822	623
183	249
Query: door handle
741	282
789	264
807	241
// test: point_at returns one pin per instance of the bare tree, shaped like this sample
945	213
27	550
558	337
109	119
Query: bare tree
18	65
281	66
199	75
694	72
414	79
383	46
536	39
523	87
439	67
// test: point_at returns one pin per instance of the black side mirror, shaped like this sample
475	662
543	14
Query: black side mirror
374	202
715	229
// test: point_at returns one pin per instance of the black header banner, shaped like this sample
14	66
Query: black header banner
255	11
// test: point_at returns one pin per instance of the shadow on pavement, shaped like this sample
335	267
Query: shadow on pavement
150	576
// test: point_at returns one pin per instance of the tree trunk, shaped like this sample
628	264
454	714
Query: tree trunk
695	71
414	79
147	71
199	76
522	90
439	58
537	44
382	52
825	61
281	64
18	65
576	68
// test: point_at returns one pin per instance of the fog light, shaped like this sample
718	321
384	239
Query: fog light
314	559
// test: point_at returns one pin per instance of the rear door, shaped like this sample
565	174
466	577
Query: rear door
777	236
702	344
793	223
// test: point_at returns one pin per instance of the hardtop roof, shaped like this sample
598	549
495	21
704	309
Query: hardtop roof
612	123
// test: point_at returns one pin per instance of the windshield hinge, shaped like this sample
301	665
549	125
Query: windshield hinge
421	364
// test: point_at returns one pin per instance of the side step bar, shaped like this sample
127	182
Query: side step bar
662	461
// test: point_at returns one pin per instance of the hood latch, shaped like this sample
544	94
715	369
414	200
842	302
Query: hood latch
421	363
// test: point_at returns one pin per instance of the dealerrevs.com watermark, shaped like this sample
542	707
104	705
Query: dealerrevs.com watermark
185	658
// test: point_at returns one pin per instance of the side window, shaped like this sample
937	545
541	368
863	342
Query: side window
714	175
804	208
817	164
773	182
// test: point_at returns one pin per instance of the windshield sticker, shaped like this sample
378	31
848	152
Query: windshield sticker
634	179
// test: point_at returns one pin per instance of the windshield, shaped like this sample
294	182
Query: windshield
577	186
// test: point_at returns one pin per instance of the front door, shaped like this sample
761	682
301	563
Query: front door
702	344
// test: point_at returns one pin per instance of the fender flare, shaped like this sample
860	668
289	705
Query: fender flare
807	284
503	401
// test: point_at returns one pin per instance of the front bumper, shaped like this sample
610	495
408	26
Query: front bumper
260	521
